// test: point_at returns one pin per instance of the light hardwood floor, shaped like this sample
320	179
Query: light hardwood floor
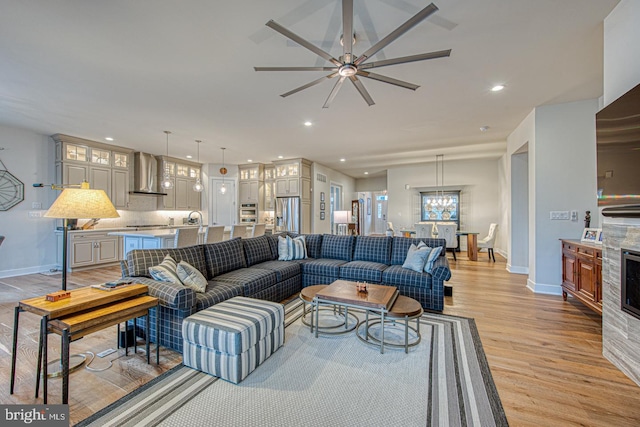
545	354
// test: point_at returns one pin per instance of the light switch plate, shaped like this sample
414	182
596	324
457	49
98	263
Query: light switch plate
559	215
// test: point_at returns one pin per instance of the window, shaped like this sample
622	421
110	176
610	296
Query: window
441	206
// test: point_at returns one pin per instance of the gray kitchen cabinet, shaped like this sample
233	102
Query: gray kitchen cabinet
184	176
92	248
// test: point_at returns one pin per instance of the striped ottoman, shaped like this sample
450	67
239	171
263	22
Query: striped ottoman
231	339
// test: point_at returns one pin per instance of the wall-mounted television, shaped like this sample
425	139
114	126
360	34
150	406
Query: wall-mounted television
618	151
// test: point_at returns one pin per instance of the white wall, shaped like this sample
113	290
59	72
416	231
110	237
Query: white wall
378	183
478	181
30	244
621	50
348	190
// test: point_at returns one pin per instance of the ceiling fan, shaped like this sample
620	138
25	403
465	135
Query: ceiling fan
349	66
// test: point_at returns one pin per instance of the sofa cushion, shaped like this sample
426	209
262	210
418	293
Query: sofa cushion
337	247
395	275
283	269
223	257
366	271
374	249
401	245
139	260
314	245
165	271
417	257
257	250
323	267
217	292
252	279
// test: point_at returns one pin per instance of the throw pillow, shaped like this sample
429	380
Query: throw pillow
283	248
416	257
191	277
431	259
165	271
290	249
297	247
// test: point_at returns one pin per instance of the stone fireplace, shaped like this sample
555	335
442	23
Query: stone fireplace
620	329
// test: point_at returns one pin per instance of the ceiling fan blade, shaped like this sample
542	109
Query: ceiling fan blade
413	21
302	42
295	68
347	30
358	84
386	79
405	59
308	85
334	92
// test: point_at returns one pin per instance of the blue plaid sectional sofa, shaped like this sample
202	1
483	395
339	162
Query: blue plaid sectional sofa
250	268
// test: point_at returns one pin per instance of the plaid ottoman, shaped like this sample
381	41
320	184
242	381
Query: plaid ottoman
231	339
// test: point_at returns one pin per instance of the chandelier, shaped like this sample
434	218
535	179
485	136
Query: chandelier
439	201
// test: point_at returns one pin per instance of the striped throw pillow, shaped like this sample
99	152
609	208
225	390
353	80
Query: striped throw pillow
165	271
290	249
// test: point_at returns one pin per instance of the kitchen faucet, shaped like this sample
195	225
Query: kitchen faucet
200	217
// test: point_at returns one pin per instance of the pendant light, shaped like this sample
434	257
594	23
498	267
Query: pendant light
223	172
198	187
166	183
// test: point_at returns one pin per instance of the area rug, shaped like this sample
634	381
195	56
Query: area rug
332	380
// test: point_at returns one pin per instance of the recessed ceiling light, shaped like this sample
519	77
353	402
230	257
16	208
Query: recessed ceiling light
281	157
108	138
307	123
366	173
484	128
497	88
189	156
250	160
343	160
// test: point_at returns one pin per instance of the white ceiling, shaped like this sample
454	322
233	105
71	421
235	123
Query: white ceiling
131	69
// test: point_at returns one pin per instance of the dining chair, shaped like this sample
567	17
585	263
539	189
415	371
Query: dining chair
448	232
238	231
186	237
214	234
258	230
390	231
423	230
488	241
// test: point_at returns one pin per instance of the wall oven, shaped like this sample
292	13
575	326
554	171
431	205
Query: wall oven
248	213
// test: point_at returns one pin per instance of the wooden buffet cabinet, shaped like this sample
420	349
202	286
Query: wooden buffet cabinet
582	273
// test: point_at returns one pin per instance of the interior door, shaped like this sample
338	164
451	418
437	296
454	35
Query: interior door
222	208
380	214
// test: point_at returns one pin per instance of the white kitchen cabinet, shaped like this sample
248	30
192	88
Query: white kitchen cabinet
182	196
184	176
100	179
287	187
293	178
249	191
92	248
120	188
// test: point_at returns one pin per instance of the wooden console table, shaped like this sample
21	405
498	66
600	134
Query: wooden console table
582	273
87	310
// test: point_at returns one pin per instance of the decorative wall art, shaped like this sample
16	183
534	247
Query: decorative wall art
11	188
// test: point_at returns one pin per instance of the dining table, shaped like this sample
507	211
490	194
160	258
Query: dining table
472	243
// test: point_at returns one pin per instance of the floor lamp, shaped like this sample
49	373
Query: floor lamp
76	203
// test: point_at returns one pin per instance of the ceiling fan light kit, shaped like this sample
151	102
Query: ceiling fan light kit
348	65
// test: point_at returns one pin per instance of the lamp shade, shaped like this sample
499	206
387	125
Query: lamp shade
75	203
341	217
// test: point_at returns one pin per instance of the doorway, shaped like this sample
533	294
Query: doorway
335	202
222	208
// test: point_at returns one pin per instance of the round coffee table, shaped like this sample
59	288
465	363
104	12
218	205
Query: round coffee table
404	308
308	295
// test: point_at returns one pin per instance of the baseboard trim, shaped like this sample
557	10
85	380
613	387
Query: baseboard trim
27	270
517	270
541	288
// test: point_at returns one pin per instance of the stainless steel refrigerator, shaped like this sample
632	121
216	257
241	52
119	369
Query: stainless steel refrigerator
287	214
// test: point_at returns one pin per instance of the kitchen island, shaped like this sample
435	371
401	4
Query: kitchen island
148	239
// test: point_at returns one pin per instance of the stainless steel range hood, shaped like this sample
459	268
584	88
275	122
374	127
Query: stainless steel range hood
145	170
